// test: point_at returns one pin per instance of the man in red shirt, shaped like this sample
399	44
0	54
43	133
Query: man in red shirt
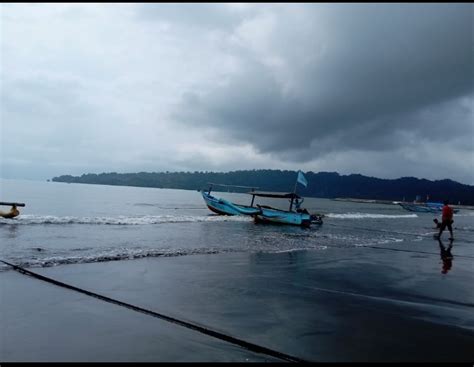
447	220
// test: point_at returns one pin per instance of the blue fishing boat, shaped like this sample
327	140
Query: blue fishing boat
298	217
225	207
266	214
428	207
420	208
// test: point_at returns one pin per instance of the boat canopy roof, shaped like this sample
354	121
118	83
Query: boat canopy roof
271	194
243	187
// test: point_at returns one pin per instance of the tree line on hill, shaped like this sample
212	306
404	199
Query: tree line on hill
321	184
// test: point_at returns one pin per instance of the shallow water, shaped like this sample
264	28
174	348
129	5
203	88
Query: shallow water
75	223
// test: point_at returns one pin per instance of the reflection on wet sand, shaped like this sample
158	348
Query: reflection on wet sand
446	256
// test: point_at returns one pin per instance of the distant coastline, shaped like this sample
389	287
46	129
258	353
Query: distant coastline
367	201
330	185
389	202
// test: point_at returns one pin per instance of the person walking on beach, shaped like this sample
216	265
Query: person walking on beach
14	212
447	220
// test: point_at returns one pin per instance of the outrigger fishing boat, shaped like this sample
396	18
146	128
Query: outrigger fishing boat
428	207
225	207
262	213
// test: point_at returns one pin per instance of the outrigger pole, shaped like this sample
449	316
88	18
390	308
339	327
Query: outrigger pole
217	184
11	204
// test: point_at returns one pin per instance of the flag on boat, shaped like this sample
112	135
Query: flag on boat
301	179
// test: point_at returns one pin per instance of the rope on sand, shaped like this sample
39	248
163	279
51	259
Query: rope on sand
242	343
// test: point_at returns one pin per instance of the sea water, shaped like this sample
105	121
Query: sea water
80	223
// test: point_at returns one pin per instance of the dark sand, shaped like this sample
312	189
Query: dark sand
339	304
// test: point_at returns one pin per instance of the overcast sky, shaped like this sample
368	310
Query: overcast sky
384	90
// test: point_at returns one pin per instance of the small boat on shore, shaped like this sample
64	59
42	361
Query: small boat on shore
266	214
298	217
225	207
263	213
428	207
14	212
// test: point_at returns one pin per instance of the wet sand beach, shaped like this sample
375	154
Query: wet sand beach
344	304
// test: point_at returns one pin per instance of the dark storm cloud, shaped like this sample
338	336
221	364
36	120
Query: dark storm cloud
359	77
379	89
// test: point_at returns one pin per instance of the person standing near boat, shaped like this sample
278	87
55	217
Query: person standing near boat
447	220
298	203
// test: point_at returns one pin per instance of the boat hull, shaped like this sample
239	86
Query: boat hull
224	207
261	214
419	208
276	216
424	208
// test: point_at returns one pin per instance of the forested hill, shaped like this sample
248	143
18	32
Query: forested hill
322	184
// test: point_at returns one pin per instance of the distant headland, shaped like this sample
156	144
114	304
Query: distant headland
321	184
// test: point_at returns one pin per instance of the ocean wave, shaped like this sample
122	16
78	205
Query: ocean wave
465	214
112	255
122	220
123	254
369	215
383	241
158	219
349	241
321	247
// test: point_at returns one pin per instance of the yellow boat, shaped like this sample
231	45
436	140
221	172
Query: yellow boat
14	212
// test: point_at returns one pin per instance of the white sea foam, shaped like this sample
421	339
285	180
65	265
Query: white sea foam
379	242
301	249
369	215
113	255
465	213
158	219
122	220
